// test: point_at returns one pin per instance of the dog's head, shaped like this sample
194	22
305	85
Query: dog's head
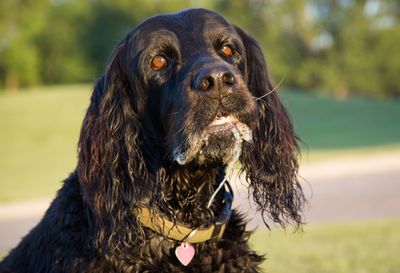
191	70
187	89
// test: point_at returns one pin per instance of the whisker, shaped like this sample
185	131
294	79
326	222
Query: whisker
272	91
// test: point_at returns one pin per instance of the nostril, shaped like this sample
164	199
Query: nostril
214	78
228	78
205	84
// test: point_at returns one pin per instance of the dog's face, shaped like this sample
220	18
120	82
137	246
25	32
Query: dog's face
186	93
193	65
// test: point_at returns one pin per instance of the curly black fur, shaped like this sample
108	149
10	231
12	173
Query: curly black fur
136	122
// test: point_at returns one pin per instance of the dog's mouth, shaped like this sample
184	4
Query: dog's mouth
221	140
220	124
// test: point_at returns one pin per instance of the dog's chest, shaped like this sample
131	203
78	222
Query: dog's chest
230	254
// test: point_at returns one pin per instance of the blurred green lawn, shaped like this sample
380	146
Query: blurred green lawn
38	139
367	247
325	123
40	129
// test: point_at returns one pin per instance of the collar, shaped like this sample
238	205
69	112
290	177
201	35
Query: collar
179	232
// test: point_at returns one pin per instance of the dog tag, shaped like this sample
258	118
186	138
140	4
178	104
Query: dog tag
185	253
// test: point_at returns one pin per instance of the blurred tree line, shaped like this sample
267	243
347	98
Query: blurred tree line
344	47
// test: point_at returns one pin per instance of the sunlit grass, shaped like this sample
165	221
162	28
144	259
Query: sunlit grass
366	247
314	155
38	139
324	123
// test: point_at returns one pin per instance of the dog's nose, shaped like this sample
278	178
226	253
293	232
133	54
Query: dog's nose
217	79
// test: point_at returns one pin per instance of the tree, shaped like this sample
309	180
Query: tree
20	22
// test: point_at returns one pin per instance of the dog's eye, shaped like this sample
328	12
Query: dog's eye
158	63
227	51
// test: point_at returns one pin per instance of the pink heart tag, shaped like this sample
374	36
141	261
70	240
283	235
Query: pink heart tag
185	253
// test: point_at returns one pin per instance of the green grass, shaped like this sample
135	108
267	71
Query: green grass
40	129
38	139
313	155
366	247
324	123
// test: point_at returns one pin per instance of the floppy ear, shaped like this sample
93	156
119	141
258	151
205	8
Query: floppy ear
270	162
111	165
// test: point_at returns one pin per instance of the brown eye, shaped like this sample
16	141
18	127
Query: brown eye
227	51
158	63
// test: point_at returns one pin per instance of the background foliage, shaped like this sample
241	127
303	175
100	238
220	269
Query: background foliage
344	47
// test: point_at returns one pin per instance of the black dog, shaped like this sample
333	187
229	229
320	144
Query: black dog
184	96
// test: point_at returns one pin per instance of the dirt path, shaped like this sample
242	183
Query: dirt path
346	189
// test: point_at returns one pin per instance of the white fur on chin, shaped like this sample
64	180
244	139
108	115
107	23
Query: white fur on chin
240	131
